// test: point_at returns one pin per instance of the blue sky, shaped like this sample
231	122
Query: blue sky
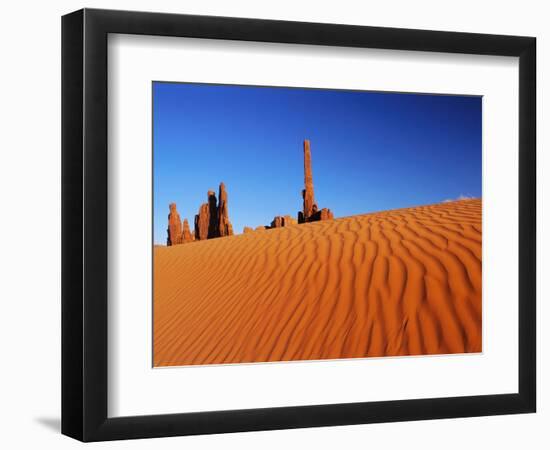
370	151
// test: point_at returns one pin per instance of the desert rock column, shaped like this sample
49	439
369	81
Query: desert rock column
202	222
224	226
213	215
212	221
186	233
310	207
174	226
311	212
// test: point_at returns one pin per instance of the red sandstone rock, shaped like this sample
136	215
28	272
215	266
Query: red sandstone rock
248	230
277	222
326	214
310	212
289	220
224	227
174	226
186	233
202	222
213	231
212	221
323	214
310	207
282	221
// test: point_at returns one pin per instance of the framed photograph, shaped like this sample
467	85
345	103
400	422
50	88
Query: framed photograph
266	224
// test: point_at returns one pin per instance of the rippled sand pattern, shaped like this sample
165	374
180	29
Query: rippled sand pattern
400	282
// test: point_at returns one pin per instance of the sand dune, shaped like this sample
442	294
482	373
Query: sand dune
400	282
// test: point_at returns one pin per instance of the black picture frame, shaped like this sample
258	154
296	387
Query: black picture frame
84	224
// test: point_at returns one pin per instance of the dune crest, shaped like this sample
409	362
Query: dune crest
400	282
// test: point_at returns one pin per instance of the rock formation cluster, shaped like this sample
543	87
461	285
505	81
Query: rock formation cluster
310	212
177	233
212	220
283	221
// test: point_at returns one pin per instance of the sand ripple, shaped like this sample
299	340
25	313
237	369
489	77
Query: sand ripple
401	282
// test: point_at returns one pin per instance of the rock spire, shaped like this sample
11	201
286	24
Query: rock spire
202	222
174	226
177	233
310	207
212	221
310	212
212	215
224	226
186	232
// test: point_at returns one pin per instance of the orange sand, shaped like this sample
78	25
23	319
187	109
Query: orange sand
401	282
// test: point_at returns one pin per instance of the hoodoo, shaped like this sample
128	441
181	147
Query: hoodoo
310	207
310	213
177	234
187	236
224	226
174	226
212	220
212	215
202	222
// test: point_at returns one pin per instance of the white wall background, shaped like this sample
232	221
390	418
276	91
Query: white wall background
30	192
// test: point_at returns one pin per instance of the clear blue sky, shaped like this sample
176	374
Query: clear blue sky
370	151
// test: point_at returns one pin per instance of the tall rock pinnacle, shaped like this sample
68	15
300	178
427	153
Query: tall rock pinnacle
174	226
224	226
212	215
202	222
310	212
212	221
310	207
186	235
